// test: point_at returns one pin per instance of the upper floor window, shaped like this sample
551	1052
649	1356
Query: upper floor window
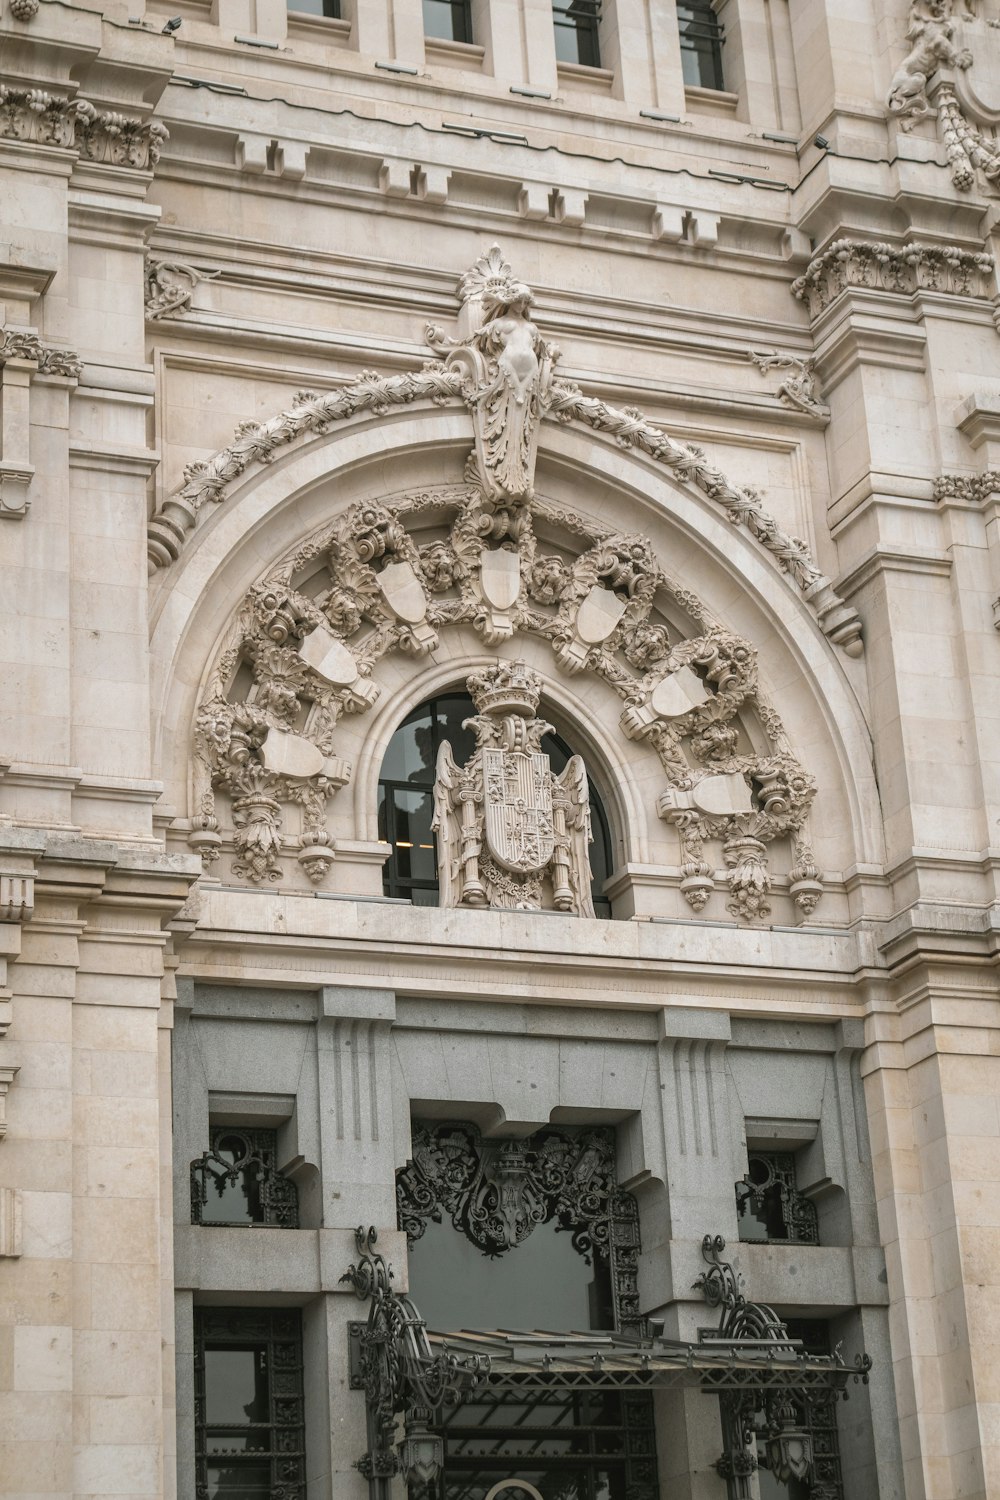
328	8
448	20
237	1181
249	1423
769	1204
701	44
406	800
576	24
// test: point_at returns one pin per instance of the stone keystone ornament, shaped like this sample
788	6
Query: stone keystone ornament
511	834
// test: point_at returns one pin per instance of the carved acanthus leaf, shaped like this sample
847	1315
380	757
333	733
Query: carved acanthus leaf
891	268
75	124
800	388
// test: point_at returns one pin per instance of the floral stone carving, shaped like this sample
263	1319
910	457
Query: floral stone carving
800	389
76	124
502	370
949	73
391	576
902	269
510	832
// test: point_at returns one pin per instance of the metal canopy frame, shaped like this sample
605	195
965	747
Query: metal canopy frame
749	1361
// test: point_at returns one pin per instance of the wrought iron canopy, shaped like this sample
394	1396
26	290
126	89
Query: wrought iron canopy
750	1361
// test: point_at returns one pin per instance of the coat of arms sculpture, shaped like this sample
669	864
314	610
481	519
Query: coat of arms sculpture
510	832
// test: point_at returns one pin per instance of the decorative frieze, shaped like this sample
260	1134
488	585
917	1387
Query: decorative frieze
799	390
899	270
972	487
169	286
34	116
502	370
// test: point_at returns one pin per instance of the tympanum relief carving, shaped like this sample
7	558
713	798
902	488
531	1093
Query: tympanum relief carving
391	574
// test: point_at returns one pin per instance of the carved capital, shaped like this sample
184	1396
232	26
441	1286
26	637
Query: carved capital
897	270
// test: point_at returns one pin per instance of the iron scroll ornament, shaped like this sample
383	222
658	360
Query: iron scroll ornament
396	1366
788	1447
497	1192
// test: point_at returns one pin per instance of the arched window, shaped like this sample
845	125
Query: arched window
406	799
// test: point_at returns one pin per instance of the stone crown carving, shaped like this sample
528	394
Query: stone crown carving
877	266
32	115
508	687
502	370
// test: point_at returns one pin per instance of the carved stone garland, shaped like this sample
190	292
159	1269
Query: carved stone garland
930	83
309	659
503	370
497	1192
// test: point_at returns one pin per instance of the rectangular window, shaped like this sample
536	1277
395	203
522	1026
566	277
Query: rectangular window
576	23
328	8
249	1435
701	44
237	1181
448	20
769	1204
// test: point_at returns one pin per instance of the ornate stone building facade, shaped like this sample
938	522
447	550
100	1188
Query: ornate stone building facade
500	560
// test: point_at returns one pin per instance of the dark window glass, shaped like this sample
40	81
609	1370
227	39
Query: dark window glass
238	1182
450	20
249	1438
406	800
701	44
769	1203
544	1284
576	24
328	8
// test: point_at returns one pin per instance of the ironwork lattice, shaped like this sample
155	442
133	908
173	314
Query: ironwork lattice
246	1160
228	1453
496	1192
769	1193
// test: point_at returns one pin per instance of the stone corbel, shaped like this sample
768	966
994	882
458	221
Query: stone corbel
7	1076
17	903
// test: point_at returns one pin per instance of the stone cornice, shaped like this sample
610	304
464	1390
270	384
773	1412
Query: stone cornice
896	270
36	117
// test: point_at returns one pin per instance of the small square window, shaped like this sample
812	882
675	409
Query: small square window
769	1204
237	1181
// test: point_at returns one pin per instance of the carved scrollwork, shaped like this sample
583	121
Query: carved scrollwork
799	390
170	285
391	575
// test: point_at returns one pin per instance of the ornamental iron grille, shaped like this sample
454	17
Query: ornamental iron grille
496	1192
816	1416
797	1426
237	1182
249	1426
567	1444
769	1204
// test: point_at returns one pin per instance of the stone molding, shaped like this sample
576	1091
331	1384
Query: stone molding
169	286
11	1207
36	117
22	356
7	1076
899	270
475	373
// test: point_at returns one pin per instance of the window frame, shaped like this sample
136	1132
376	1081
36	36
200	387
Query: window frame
586	26
458	8
702	37
278	1332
